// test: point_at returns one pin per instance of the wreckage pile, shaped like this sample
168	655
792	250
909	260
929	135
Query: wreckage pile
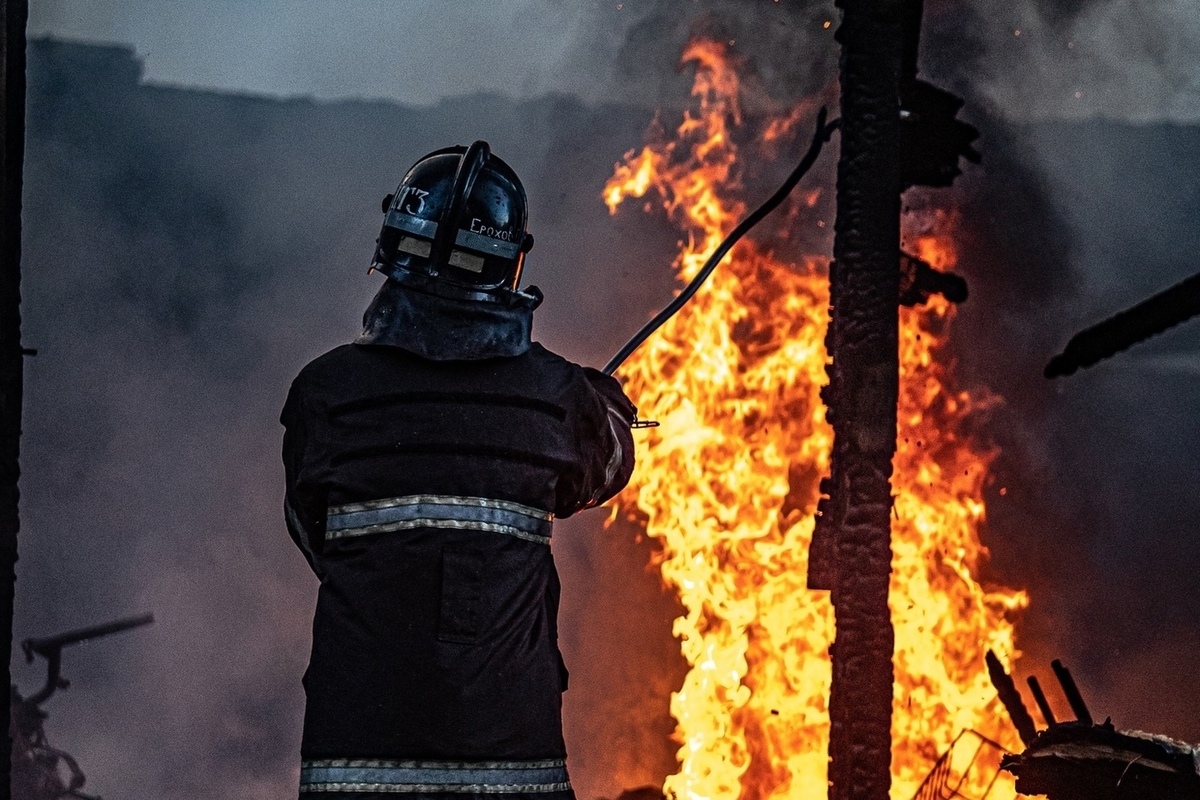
1073	761
1082	760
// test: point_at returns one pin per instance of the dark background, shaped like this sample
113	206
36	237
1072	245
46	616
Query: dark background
187	251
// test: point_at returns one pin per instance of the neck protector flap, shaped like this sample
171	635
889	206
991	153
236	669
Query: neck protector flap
448	329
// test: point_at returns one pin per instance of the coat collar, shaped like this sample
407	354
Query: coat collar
447	329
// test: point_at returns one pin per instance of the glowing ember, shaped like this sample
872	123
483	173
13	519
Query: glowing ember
728	486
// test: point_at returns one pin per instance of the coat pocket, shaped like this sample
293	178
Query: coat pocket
460	617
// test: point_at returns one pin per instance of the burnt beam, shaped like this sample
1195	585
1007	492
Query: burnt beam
919	280
1011	699
1148	318
12	148
862	394
1074	698
1043	704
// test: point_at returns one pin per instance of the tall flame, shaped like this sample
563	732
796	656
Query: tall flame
728	486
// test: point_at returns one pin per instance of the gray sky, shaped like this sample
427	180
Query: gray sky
1121	59
411	51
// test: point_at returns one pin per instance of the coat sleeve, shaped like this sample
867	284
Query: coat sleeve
605	445
303	508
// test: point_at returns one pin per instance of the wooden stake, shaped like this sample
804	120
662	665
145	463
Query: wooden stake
862	396
14	14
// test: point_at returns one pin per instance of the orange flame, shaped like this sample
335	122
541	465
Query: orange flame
728	486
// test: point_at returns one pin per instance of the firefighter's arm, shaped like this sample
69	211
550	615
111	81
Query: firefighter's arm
615	439
303	514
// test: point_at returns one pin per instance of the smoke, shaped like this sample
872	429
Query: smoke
1096	466
624	661
186	252
1065	224
1038	60
787	51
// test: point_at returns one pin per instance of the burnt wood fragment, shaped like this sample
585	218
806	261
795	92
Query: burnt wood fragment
1073	761
932	139
919	280
1150	317
1040	698
1011	698
1072	692
1084	761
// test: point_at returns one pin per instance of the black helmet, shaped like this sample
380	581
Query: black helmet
456	226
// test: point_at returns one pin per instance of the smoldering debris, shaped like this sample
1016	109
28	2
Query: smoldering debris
1086	760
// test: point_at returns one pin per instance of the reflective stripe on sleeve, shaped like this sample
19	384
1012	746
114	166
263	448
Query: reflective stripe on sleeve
439	511
487	777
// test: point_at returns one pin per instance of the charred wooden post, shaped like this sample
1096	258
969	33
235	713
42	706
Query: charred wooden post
862	394
12	148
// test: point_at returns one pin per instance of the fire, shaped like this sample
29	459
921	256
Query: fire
728	486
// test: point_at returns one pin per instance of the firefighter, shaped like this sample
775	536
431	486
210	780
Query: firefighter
425	463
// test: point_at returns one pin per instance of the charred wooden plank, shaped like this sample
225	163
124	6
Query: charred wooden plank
1011	698
1148	318
864	384
919	280
1072	692
1040	698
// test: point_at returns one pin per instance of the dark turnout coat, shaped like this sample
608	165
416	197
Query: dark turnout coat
422	492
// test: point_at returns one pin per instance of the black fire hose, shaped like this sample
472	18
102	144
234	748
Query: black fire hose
820	137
